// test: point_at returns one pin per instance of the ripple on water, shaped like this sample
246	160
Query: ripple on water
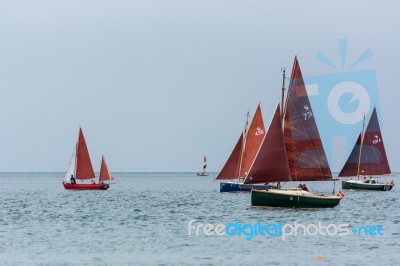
142	220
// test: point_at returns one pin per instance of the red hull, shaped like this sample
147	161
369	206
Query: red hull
86	186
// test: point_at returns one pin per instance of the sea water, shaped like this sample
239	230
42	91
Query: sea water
143	220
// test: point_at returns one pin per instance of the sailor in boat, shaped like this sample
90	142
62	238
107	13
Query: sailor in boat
303	187
73	181
93	182
369	181
373	181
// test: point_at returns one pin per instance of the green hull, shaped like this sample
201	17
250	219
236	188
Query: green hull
366	186
262	198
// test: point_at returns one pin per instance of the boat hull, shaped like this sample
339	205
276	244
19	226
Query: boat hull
351	184
202	174
238	187
86	186
288	199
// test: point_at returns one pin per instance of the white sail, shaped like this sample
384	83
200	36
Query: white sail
71	168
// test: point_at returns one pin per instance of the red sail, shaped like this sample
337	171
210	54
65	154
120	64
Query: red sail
231	167
373	160
306	155
254	138
271	163
105	174
351	166
84	169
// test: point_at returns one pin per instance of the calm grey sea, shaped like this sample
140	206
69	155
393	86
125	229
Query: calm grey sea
143	220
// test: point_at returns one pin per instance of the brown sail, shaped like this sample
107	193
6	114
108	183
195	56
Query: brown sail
271	163
254	138
105	174
231	167
84	169
373	160
306	155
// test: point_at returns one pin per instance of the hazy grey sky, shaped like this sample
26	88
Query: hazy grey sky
155	85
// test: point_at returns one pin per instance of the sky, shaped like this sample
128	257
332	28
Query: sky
155	85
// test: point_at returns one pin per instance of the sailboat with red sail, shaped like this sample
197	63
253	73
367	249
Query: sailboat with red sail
239	162
80	174
292	150
368	158
204	172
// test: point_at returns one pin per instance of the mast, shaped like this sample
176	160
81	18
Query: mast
282	104
75	158
283	92
361	144
243	145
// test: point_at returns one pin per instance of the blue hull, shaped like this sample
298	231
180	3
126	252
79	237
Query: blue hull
237	187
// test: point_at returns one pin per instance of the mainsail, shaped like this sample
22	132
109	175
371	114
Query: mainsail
105	174
271	163
245	151
373	159
306	155
254	137
84	169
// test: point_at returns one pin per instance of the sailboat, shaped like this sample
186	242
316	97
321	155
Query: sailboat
204	173
80	169
292	150
242	156
368	158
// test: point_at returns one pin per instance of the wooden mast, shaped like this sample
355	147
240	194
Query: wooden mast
282	105
361	144
243	145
